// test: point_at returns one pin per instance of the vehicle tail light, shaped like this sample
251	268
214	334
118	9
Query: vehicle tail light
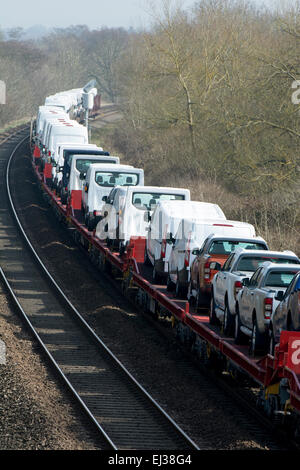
164	243
163	247
207	271
187	257
237	287
187	252
268	308
97	213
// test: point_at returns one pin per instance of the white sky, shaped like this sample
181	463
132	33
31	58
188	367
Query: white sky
94	13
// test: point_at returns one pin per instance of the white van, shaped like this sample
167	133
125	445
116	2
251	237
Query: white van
61	149
128	211
44	113
66	168
78	167
100	178
70	132
60	101
190	236
164	225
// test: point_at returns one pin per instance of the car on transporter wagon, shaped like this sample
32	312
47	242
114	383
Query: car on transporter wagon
287	314
212	255
228	281
256	302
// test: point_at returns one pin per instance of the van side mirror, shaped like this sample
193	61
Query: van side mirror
170	239
82	176
246	282
215	266
60	168
104	199
196	251
279	296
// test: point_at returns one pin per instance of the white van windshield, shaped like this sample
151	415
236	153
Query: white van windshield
148	201
115	178
82	165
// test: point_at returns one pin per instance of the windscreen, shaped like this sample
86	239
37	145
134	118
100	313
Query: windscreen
148	201
115	178
226	247
251	263
279	278
82	165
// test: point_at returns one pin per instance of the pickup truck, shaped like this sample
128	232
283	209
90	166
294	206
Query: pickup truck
217	247
287	315
256	302
227	282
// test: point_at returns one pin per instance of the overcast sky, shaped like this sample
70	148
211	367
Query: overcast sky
94	13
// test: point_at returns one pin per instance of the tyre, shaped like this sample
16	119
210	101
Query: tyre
180	291
271	342
122	248
213	320
258	343
170	285
155	276
191	299
147	261
239	336
198	299
64	198
88	223
228	321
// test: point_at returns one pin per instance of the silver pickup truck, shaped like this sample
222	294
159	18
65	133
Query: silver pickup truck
256	302
226	284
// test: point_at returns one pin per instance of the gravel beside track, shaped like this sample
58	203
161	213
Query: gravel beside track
212	420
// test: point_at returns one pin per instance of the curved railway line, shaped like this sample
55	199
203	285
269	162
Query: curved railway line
117	404
121	409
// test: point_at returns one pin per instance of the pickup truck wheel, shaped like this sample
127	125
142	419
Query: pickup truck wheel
198	299
155	276
228	321
190	297
90	224
122	248
239	336
179	290
64	198
272	343
213	320
170	285
147	261
258	341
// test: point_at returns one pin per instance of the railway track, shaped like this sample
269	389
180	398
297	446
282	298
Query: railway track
121	409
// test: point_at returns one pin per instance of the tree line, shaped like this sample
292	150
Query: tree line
205	95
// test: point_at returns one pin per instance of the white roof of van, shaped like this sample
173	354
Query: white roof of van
68	129
218	223
108	166
72	145
156	189
190	209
